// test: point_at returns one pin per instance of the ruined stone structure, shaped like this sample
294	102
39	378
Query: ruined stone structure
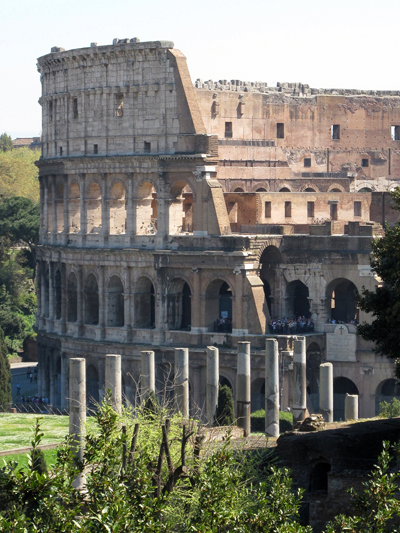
181	215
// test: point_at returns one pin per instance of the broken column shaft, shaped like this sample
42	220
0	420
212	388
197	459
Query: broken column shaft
77	410
326	391
212	383
182	381
147	375
243	393
271	388
113	379
299	380
351	407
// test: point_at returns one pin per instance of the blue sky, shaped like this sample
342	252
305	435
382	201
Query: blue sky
341	43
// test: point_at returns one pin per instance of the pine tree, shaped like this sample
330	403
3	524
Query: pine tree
5	373
6	143
224	414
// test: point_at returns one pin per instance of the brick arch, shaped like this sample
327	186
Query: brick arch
336	186
309	186
270	242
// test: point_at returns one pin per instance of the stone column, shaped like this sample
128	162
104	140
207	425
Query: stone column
128	303
147	375
212	383
243	393
351	407
181	385
46	210
299	380
51	294
83	229
102	302
64	380
271	388
77	410
105	219
64	297
130	207
65	204
326	391
80	317
113	379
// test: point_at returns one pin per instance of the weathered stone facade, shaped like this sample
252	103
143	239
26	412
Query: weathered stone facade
179	215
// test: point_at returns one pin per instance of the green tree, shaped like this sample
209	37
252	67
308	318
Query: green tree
19	174
225	413
384	302
6	143
5	372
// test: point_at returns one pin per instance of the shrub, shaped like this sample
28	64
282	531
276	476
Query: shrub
389	410
39	461
225	413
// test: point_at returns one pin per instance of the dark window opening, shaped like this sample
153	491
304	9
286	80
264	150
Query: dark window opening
267	207
147	147
334	212
365	162
335	131
228	130
307	161
61	151
74	107
310	209
319	477
280	130
288	209
51	111
72	298
95	148
119	105
395	130
357	209
57	290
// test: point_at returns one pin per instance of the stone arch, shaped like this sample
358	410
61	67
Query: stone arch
117	209
365	186
238	189
336	187
146	209
60	207
341	300
93	208
297	303
258	394
92	385
91	300
181	208
179	306
57	294
72	298
74	208
341	387
224	380
261	189
144	301
115	303
365	189
309	187
285	188
218	301
385	392
269	260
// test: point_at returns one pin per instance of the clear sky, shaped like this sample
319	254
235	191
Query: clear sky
325	43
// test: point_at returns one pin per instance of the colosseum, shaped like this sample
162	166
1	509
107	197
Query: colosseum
181	214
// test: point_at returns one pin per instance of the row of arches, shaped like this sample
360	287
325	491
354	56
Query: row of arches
75	210
306	188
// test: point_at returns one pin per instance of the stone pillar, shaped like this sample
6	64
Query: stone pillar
79	282
147	375
77	410
128	303
105	218
52	378
243	393
271	388
64	298
113	379
83	229
46	210
42	275
181	385
212	383
351	407
54	206
65	204
130	207
51	291
299	380
64	380
326	391
102	302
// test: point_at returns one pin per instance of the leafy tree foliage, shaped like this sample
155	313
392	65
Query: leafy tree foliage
384	302
225	413
19	174
6	143
390	409
5	372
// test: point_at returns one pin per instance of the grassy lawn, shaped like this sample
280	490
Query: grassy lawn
22	458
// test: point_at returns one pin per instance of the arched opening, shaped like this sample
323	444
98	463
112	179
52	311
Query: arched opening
144	299
115	303
297	299
267	295
365	189
225	381
261	189
179	304
319	477
284	189
386	391
146	210
92	386
72	298
181	209
219	306
46	294
342	301
93	208
238	189
258	394
309	189
341	387
314	360
335	190
117	209
91	300
74	208
60	207
269	261
57	294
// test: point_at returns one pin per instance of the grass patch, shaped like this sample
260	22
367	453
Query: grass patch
258	421
22	459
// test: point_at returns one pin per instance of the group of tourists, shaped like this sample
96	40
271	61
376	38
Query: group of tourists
34	399
348	321
291	326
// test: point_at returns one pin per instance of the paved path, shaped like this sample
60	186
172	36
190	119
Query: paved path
19	374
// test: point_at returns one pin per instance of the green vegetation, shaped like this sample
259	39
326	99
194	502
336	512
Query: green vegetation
225	413
6	143
258	421
22	459
5	372
389	409
19	174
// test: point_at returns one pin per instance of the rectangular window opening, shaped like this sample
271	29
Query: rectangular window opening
51	111
95	148
280	130
395	130
74	107
310	209
61	151
334	211
365	162
267	209
307	161
335	131
228	130
357	209
147	147
288	209
119	105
